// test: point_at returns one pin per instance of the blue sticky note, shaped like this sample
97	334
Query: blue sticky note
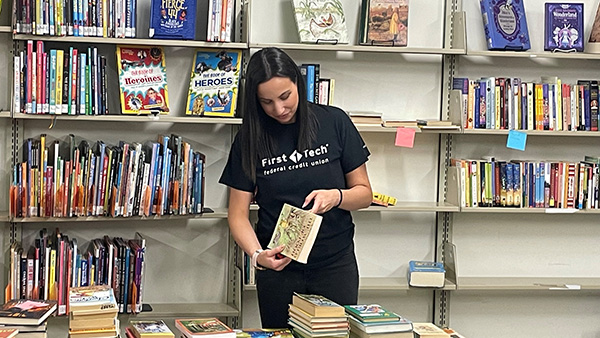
516	140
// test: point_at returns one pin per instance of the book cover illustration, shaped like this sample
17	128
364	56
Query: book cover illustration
26	311
202	326
317	300
563	27
296	229
151	328
386	22
173	19
99	297
426	266
320	20
370	311
505	24
143	80
214	83
594	41
8	333
264	333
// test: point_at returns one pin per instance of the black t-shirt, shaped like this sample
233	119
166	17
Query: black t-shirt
291	174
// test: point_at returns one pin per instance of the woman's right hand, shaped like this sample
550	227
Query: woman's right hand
269	259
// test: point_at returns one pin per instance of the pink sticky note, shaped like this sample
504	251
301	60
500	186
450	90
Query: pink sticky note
405	137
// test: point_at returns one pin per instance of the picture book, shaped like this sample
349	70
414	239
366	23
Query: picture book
26	312
264	333
505	24
143	80
320	21
214	83
384	22
173	19
297	229
371	312
563	27
317	305
402	325
150	328
594	40
428	330
8	333
92	300
204	327
426	274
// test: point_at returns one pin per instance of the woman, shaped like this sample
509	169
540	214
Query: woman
292	151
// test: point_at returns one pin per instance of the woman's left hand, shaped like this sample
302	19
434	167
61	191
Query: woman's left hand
323	200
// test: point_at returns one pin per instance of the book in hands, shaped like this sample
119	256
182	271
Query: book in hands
297	229
426	274
26	312
204	327
150	328
320	21
317	305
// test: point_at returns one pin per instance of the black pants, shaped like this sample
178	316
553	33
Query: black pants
337	281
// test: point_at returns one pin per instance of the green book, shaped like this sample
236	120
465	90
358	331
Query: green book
371	313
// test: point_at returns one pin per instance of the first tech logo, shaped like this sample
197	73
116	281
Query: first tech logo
300	159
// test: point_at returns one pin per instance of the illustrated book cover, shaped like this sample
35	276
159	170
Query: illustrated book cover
402	325
426	274
92	299
173	19
371	313
26	312
214	83
204	327
505	24
264	333
143	80
384	22
150	328
8	333
297	229
563	26
428	330
594	40
317	305
320	21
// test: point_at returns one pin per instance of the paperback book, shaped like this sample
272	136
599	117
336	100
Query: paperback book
402	325
264	333
150	328
563	27
426	274
143	80
505	24
317	305
297	229
204	327
371	313
384	22
320	21
214	83
173	19
92	300
8	333
26	312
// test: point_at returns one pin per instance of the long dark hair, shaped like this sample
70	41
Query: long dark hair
256	137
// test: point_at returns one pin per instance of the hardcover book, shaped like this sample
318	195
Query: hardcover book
426	274
317	305
150	328
26	312
264	333
92	300
563	26
384	22
8	333
371	313
173	19
214	83
320	21
402	325
297	229
204	327
505	24
143	80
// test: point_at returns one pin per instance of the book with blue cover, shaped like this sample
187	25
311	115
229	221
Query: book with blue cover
505	24
173	19
563	29
426	274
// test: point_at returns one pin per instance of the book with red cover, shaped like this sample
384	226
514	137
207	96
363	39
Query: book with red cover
26	312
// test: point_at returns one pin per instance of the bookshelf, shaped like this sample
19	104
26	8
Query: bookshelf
134	119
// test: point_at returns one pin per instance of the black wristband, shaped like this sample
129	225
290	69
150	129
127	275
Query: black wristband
341	198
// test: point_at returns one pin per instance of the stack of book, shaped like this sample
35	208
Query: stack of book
374	321
317	316
93	312
203	327
27	317
148	328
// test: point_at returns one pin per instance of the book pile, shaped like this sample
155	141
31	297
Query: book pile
374	321
148	328
25	317
317	316
203	327
93	312
426	274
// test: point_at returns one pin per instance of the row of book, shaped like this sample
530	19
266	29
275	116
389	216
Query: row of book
510	103
103	18
63	179
59	81
318	89
529	184
55	263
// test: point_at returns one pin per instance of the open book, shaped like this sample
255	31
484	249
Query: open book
297	229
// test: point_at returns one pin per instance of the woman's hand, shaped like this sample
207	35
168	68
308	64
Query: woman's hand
269	259
323	200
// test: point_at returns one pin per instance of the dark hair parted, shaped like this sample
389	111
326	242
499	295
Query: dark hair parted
255	135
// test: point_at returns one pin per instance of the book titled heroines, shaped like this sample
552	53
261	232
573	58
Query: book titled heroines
505	24
142	79
214	83
563	26
173	19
